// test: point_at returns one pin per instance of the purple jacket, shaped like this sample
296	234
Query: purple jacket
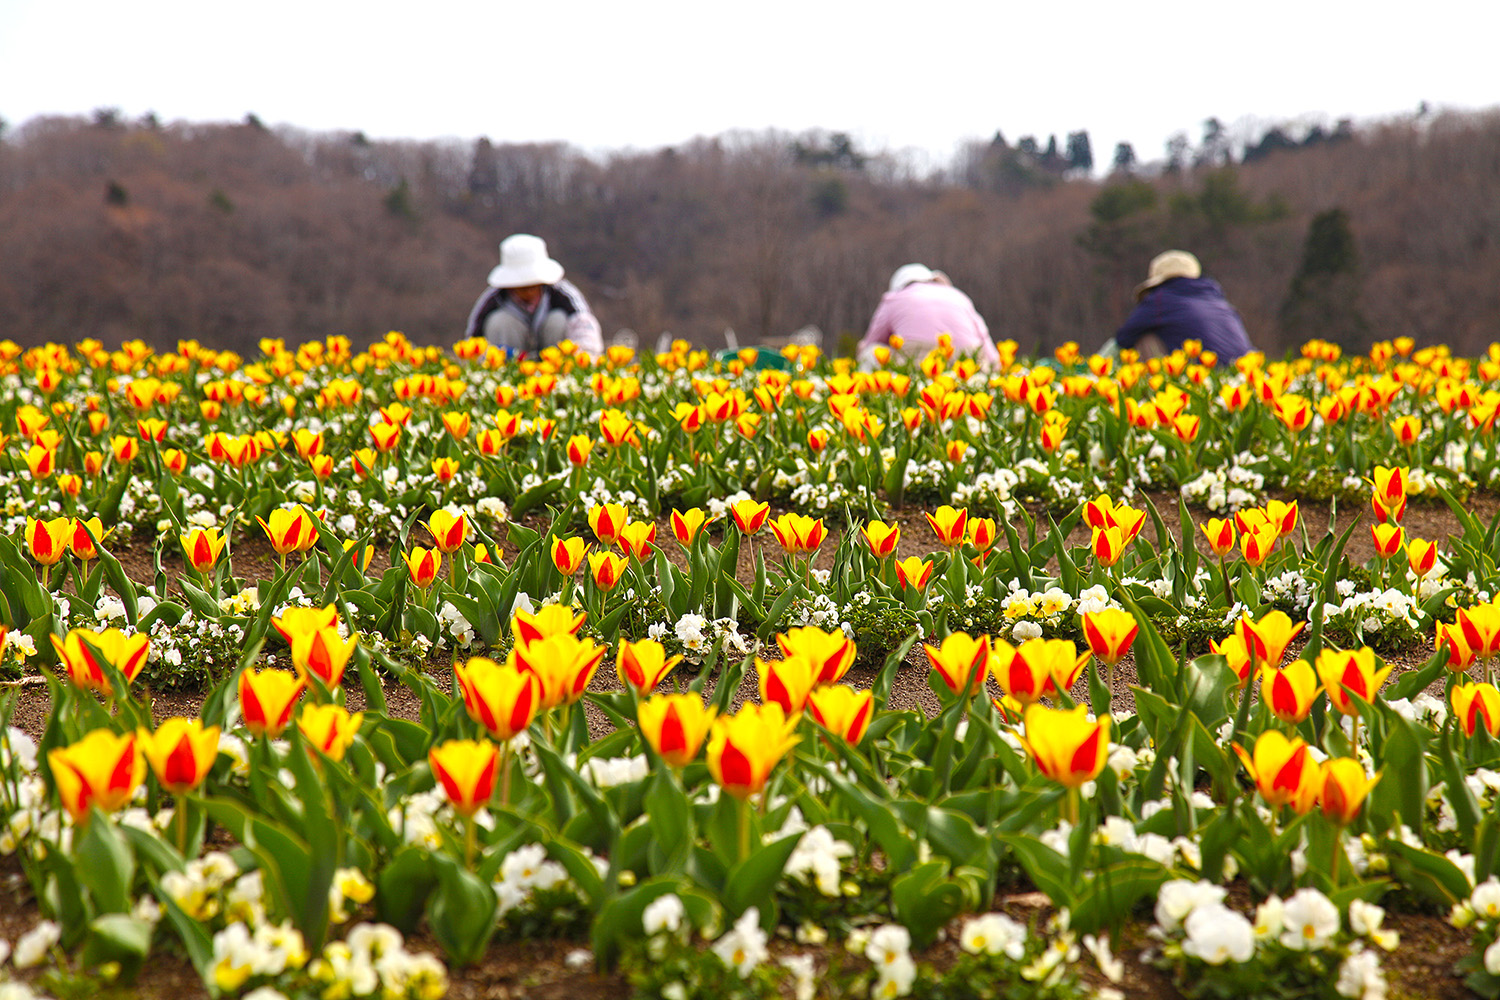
1182	309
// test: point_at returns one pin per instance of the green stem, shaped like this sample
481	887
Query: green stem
471	841
744	810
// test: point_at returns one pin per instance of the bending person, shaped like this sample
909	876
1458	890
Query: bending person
1176	304
918	308
529	306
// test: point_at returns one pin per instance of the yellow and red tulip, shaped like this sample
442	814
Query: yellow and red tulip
1108	545
41	461
882	538
568	554
125	449
1258	541
607	569
1059	659
675	725
1348	673
330	728
290	529
1220	534
457	424
686	524
203	547
831	653
423	565
1407	429
563	663
86	534
1389	497
1476	705
550	620
181	752
47	541
913	572
749	516
606	520
1110	633
842	710
1269	637
1283	515
786	682
82	651
295	621
267	700
962	661
1388	539
1066	746
385	437
579	447
500	697
1293	411
362	559
1283	770
643	664
1289	691
323	653
449	531
468	771
798	533
746	746
616	428
1422	556
1344	788
1480	626
1461	655
982	532
102	769
1236	652
949	524
638	538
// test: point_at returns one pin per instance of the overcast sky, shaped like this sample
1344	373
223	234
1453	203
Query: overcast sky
607	75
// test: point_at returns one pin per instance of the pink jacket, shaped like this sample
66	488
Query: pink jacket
921	311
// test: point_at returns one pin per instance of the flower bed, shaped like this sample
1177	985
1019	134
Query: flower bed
537	519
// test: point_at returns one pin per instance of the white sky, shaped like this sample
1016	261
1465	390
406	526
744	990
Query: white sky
609	75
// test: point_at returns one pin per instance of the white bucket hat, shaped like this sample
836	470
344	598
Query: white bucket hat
910	274
1168	265
523	262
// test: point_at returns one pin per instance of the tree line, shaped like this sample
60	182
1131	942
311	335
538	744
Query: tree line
229	232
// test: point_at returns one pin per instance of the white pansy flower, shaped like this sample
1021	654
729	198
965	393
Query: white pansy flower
1217	934
663	914
1310	920
993	934
1180	897
744	947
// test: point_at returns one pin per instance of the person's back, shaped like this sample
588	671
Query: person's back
1177	305
920	311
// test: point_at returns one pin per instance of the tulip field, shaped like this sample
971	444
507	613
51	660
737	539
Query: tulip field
616	655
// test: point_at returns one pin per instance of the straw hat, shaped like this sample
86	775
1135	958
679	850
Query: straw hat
910	274
1165	266
523	262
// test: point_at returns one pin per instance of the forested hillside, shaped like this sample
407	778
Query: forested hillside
229	232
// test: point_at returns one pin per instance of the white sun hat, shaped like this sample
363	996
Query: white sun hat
523	262
910	274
